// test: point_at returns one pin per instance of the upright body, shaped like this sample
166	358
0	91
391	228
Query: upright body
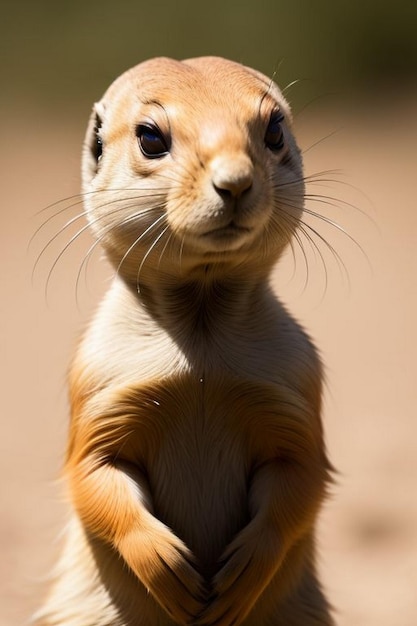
196	465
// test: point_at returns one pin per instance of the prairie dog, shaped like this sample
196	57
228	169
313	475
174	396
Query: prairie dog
196	465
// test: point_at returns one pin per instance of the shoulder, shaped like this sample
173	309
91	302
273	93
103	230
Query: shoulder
297	360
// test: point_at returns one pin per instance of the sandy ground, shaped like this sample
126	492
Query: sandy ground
365	327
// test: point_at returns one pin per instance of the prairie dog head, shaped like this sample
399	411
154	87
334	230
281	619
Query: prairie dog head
189	165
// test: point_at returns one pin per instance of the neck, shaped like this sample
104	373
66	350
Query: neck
205	305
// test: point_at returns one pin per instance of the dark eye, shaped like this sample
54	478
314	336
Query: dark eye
274	136
151	141
97	147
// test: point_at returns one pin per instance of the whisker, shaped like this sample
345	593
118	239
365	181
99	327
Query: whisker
50	242
82	196
311	179
277	68
303	227
319	141
291	223
334	224
80	199
312	101
99	240
182	251
57	202
146	256
290	85
339	202
339	228
79	216
316	250
53	216
323	179
78	234
308	230
323	218
135	243
297	238
317	177
169	238
339	261
328	201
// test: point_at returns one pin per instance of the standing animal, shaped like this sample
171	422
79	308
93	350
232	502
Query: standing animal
196	466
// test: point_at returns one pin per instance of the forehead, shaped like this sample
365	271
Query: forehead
195	87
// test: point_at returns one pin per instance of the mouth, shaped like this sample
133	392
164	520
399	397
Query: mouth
226	239
230	231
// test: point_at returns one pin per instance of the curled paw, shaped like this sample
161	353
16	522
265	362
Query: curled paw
247	567
167	569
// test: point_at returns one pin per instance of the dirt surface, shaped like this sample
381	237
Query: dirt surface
364	321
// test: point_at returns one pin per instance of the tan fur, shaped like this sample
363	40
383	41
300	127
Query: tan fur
196	465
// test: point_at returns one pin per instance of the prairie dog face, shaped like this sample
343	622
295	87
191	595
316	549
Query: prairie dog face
189	164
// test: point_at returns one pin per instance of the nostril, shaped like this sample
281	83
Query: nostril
231	192
232	174
225	193
232	186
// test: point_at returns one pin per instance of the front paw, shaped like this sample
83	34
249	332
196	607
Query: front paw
247	567
166	568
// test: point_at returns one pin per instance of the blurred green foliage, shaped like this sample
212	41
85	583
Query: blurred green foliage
67	52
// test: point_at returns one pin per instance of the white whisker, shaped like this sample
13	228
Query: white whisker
129	219
135	243
169	238
124	204
146	256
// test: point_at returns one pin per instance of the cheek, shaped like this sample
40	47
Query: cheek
190	198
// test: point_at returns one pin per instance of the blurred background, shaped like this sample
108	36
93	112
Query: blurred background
355	106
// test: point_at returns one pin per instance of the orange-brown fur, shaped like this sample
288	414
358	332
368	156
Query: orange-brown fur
196	464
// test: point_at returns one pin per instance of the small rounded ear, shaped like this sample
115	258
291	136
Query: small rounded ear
93	144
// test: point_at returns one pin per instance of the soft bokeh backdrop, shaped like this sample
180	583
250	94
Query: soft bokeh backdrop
62	54
355	106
